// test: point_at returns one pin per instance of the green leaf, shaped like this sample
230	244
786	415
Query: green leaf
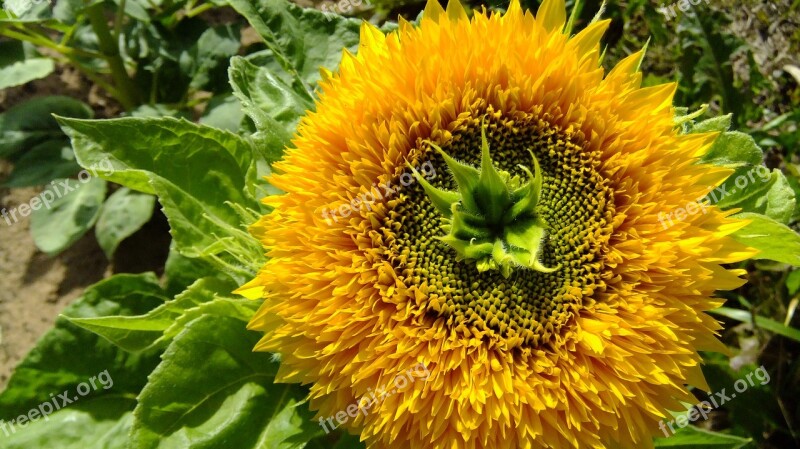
124	213
208	58
156	111
223	112
733	149
102	422
136	9
181	271
160	325
269	101
30	123
762	322
66	210
691	437
752	187
759	191
67	355
176	150
776	241
794	183
793	282
198	233
301	40
212	390
43	163
18	68
719	124
204	177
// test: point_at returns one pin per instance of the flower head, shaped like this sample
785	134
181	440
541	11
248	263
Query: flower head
531	276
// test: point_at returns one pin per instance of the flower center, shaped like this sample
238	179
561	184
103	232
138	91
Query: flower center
527	307
492	217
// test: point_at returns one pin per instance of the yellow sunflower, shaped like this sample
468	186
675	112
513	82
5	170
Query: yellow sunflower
477	208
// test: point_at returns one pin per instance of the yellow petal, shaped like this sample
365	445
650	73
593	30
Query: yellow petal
552	15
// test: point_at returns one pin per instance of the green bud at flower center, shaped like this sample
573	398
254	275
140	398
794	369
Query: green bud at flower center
491	219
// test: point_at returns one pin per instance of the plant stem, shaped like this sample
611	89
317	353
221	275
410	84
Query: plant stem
199	10
118	20
128	95
45	42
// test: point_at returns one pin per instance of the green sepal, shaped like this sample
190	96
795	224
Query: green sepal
466	177
529	193
492	191
442	200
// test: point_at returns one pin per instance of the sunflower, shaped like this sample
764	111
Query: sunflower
476	207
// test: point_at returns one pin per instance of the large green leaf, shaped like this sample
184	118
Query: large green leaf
223	112
278	85
266	98
102	422
176	150
731	149
301	40
752	187
212	390
207	296
68	355
67	209
775	240
207	60
181	271
757	190
205	178
197	233
123	213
